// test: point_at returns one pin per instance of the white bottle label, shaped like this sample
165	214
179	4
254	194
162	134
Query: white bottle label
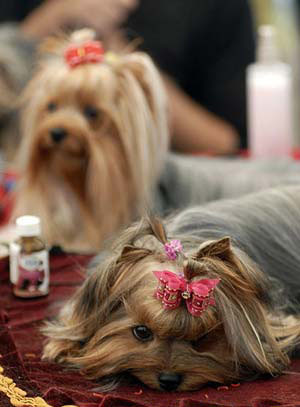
29	273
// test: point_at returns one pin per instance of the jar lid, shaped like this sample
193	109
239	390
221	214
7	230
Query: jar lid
28	226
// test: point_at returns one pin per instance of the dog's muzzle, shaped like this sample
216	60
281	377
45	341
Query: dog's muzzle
169	381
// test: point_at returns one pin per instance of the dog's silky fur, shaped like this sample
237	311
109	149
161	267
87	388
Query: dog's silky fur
189	180
251	330
112	158
113	114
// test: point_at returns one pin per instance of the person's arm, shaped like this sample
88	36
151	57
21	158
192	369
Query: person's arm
44	20
104	16
194	128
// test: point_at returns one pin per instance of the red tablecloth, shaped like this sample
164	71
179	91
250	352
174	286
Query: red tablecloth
51	385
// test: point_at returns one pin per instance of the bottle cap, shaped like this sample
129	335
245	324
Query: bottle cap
28	226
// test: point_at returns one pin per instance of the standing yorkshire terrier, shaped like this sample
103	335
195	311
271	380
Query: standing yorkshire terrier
214	304
94	143
94	140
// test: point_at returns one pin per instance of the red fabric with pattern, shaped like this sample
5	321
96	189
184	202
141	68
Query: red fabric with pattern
21	344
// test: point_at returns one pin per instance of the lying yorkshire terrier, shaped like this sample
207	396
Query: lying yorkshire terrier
219	302
94	140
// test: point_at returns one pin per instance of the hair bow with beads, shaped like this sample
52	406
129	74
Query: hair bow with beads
172	289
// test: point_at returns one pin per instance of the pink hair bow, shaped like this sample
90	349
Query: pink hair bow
173	288
88	52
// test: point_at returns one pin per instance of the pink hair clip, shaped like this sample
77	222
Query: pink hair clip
172	288
87	52
172	248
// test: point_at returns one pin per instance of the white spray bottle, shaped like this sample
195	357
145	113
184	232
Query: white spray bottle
269	99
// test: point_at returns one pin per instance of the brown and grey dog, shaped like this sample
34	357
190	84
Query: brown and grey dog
175	334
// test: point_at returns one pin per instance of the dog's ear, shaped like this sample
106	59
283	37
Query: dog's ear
243	309
131	252
253	334
145	73
140	67
140	101
217	248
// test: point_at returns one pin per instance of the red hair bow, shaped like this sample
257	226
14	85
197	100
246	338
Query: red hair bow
88	52
173	288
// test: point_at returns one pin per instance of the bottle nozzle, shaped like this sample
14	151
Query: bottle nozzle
267	51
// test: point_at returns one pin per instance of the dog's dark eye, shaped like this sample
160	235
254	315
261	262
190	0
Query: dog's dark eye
142	333
51	106
91	112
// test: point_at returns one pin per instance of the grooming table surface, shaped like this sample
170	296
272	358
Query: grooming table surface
48	384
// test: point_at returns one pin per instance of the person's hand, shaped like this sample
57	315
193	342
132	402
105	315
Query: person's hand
104	16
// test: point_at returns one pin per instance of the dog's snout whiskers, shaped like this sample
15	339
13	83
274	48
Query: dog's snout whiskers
169	381
58	134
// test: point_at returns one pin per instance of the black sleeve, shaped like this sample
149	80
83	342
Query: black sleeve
205	45
217	76
16	10
162	27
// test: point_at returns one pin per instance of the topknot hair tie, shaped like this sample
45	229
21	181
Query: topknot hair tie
84	53
172	249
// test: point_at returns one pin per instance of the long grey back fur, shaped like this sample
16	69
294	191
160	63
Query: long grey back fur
190	180
265	225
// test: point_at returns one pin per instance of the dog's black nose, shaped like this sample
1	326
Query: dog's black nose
169	381
58	134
